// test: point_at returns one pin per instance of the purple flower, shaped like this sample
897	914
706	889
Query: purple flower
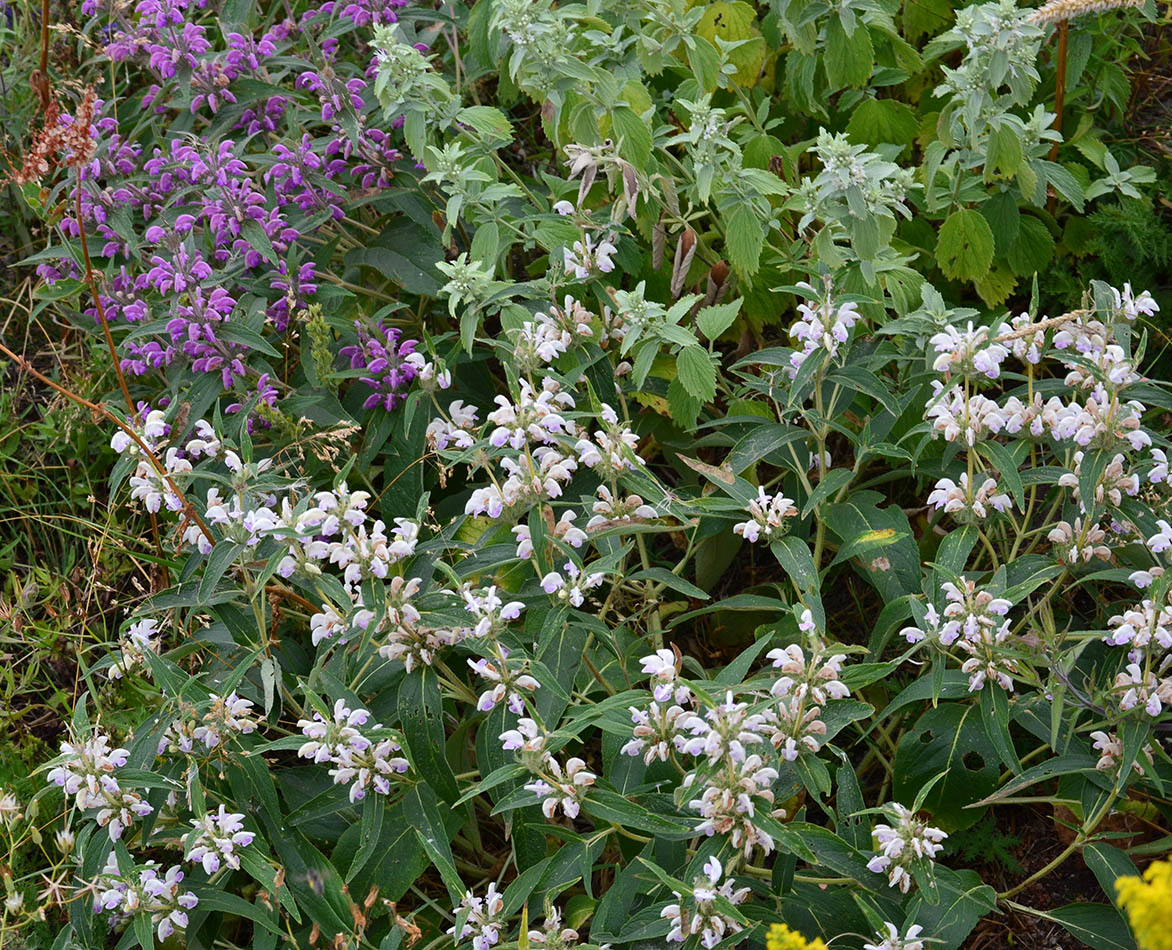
382	356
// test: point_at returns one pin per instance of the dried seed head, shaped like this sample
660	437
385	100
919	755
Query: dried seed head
685	251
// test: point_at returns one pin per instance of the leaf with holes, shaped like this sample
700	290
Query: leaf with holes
950	738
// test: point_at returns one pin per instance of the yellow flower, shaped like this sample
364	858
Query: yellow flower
780	937
1148	905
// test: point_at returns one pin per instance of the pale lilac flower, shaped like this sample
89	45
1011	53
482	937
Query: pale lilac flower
968	505
971	352
573	585
144	891
769	514
87	772
700	914
227	715
482	919
904	845
562	788
139	639
215	839
893	941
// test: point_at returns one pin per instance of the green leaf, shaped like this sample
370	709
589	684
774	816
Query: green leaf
222	557
950	738
1064	183
879	121
633	135
831	483
214	899
793	554
613	807
1108	865
704	59
859	518
492	125
421	719
964	247
143	931
252	231
744	237
964	900
422	813
1096	925
405	253
995	717
836	854
1004	217
1033	249
374	807
665	577
1003	154
848	59
713	321
696	372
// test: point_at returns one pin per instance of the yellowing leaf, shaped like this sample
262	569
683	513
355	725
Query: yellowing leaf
732	22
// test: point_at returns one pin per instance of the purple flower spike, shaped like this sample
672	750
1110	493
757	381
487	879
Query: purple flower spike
382	356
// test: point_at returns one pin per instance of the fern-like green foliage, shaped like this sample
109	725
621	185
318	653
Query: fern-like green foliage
983	843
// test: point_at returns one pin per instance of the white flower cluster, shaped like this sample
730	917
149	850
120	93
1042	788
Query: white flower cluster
573	585
969	353
357	760
732	782
825	325
893	940
658	728
904	846
793	724
333	529
701	915
554	784
966	504
215	840
769	514
409	639
1110	749
506	679
482	919
226	716
540	341
137	640
145	891
974	620
553	935
87	772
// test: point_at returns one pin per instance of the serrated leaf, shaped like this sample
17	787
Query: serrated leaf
713	321
744	237
964	247
878	121
1003	153
632	134
696	373
735	22
848	59
1004	217
1033	248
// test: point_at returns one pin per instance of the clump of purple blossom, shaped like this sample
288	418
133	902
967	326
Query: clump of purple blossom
382	354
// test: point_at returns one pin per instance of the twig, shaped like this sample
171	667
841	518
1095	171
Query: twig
188	508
